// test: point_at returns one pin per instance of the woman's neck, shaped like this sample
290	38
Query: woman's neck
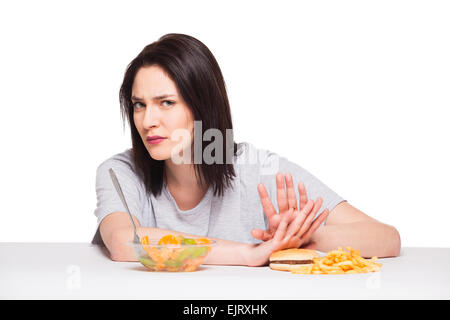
181	176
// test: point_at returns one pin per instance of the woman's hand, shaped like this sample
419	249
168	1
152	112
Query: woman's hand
294	229
286	200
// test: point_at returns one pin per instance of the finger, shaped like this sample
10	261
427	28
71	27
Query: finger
257	234
316	224
263	235
267	235
269	210
299	220
281	194
292	198
273	226
310	216
281	230
295	225
302	194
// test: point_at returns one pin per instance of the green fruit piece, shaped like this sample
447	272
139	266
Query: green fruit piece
173	263
200	251
186	253
147	262
188	241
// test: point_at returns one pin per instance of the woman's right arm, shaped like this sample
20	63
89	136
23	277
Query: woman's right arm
116	231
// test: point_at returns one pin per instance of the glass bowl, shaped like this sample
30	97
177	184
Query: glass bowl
171	257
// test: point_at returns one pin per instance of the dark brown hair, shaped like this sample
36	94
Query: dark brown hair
196	73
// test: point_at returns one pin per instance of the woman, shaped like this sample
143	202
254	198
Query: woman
178	180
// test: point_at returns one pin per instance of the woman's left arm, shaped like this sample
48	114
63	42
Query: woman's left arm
348	226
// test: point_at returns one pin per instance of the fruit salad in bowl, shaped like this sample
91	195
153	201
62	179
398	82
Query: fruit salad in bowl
172	253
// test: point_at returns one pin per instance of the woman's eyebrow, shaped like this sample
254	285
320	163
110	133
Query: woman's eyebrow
163	96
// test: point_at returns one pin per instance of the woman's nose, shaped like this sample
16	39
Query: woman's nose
151	117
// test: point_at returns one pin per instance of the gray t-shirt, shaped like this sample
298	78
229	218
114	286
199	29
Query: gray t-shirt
231	217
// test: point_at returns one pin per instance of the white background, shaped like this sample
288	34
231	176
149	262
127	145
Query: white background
355	92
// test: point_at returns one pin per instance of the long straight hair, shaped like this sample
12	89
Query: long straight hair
198	78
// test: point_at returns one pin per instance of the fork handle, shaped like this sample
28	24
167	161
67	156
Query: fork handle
124	202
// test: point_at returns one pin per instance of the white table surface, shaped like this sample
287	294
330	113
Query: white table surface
84	271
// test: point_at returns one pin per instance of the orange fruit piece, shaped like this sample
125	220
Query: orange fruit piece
202	241
144	240
169	239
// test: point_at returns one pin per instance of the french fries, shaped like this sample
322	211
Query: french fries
340	262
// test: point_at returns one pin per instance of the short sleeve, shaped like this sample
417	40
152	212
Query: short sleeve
271	163
108	200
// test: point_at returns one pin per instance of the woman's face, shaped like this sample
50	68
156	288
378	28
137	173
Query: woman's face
160	110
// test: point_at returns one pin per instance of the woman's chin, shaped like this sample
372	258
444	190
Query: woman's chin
158	155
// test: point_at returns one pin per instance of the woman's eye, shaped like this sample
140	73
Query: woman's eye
169	102
137	105
166	103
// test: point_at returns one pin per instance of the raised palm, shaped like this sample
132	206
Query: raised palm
287	205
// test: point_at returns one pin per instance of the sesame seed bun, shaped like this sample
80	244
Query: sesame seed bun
289	259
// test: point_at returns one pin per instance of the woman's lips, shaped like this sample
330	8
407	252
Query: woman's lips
155	141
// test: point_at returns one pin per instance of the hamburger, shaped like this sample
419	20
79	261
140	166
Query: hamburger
289	259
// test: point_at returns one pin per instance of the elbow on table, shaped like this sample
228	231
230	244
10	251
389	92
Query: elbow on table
118	249
396	243
118	256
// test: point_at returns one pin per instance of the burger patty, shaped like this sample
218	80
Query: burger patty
292	261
